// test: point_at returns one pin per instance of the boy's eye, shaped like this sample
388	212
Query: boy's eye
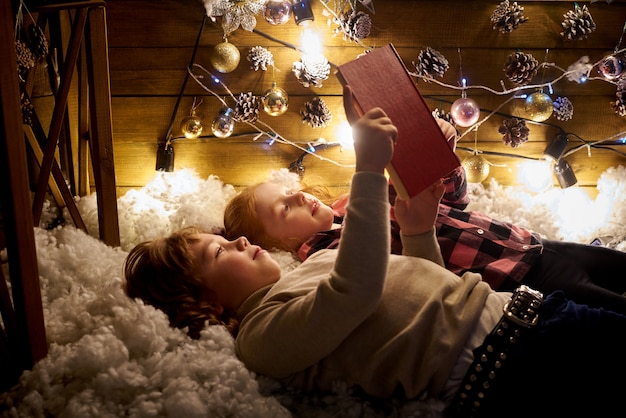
220	250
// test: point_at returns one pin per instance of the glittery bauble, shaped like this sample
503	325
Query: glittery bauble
538	107
518	108
476	168
277	12
612	67
275	101
465	112
191	126
225	57
223	125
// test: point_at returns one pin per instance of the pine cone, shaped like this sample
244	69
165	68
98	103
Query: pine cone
25	58
578	23
563	108
440	114
27	110
260	58
619	105
430	63
514	132
38	43
316	113
311	70
354	25
520	68
508	18
247	108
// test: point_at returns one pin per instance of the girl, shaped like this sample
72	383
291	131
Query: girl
392	325
504	254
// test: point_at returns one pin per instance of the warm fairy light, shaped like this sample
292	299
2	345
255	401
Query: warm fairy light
344	135
576	211
535	175
311	42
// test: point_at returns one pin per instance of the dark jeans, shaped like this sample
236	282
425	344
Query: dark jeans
573	363
588	274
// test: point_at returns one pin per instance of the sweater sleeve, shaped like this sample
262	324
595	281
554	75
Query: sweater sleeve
424	246
327	296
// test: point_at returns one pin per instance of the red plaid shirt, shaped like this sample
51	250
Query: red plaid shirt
469	241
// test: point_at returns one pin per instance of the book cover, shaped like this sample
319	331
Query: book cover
422	154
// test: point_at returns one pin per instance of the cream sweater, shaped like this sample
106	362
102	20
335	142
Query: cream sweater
390	324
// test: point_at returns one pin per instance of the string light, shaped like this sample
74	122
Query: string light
516	93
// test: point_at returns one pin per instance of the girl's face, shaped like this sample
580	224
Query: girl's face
233	269
289	216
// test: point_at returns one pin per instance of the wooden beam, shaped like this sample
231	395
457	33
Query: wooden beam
101	145
18	224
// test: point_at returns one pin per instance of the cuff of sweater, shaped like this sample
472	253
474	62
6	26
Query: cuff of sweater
369	185
423	245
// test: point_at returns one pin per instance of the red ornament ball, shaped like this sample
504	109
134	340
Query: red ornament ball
465	112
277	12
612	67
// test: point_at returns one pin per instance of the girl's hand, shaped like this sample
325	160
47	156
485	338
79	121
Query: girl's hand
418	214
374	135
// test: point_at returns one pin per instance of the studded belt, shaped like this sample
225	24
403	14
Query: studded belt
520	314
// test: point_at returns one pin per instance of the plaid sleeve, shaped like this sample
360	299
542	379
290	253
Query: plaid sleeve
455	194
500	251
320	241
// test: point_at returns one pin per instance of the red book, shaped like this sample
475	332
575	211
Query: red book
422	154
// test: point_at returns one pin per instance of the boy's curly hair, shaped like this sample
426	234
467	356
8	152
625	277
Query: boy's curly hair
162	273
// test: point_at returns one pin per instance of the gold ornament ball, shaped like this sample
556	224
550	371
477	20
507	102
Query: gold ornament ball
275	101
225	57
518	108
538	107
476	168
191	126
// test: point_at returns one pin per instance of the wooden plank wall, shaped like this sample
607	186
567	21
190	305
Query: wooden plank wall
151	44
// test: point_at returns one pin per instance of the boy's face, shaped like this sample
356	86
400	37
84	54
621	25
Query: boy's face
233	269
289	216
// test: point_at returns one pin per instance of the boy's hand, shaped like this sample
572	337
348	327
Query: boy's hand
374	135
418	214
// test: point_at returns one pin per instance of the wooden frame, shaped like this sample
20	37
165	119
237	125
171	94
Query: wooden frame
22	330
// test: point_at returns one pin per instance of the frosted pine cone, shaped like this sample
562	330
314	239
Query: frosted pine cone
508	18
430	63
311	70
25	58
578	23
354	25
38	43
247	108
514	132
520	68
260	58
316	113
563	108
440	114
27	110
619	105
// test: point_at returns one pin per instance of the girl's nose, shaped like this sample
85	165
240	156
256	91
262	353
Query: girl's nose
242	243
